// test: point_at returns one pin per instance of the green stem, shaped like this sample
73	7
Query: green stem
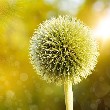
68	95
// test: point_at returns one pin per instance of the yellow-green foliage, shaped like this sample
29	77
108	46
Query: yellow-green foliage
8	8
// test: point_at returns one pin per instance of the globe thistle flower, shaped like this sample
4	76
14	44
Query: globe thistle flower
63	49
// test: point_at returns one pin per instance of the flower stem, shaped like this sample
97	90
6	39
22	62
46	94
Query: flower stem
68	95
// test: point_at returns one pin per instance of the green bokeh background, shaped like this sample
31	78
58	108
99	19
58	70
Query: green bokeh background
20	87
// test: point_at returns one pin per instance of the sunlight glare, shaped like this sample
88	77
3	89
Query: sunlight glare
102	30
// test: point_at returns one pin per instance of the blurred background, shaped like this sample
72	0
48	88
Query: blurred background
20	86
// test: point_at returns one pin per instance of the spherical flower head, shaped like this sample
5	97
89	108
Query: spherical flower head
63	49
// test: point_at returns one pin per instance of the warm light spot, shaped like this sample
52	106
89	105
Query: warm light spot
102	30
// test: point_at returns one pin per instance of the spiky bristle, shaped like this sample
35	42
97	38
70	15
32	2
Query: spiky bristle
63	49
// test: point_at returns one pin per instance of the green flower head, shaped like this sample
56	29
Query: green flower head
63	49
